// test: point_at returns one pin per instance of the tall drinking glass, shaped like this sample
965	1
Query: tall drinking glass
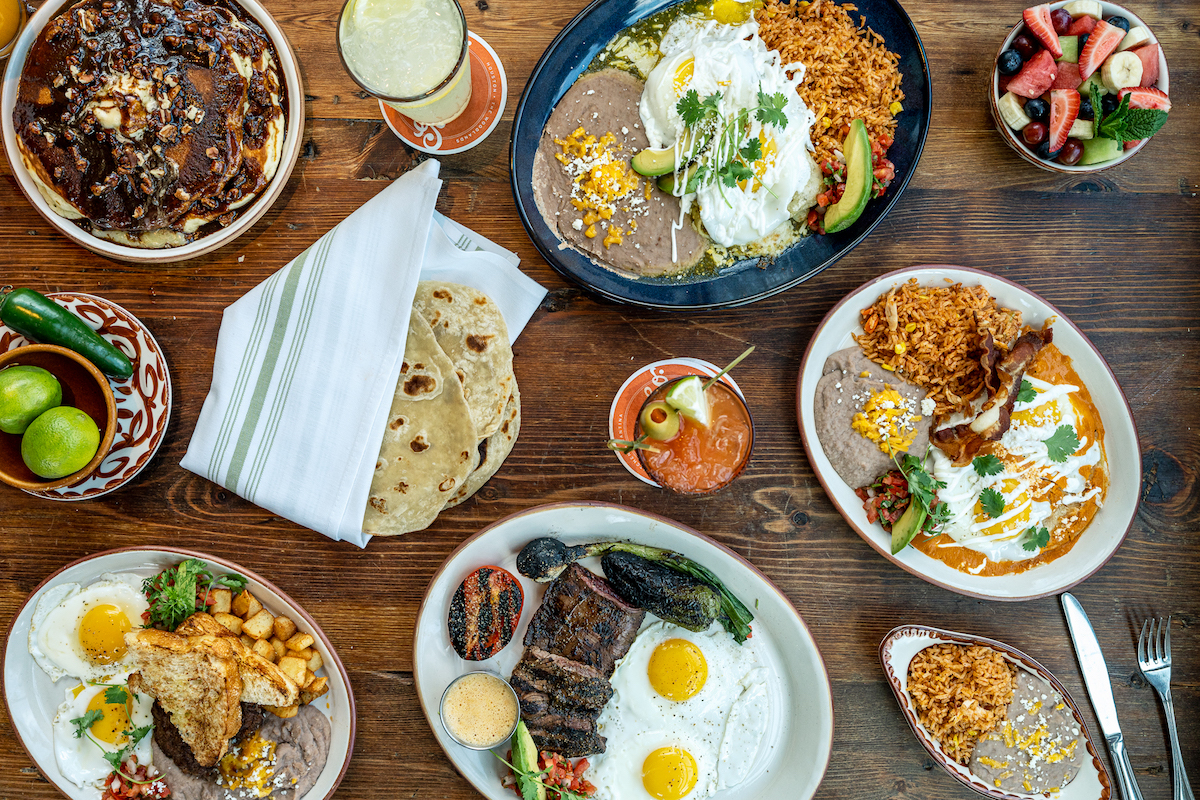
411	54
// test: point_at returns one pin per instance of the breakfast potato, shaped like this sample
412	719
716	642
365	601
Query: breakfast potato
284	712
247	641
300	641
294	668
316	662
246	605
229	621
318	687
284	628
220	601
280	648
308	679
264	649
305	654
260	625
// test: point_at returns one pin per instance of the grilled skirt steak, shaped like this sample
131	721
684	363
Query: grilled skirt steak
582	619
546	680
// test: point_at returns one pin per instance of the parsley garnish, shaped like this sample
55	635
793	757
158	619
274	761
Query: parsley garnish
1027	393
1127	124
987	465
1062	444
992	502
1036	538
84	723
176	594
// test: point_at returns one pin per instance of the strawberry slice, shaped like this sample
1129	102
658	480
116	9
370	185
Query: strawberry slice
1064	110
1036	77
1146	97
1081	25
1037	19
1149	55
1100	45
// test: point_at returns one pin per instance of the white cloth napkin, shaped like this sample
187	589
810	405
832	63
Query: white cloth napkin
307	361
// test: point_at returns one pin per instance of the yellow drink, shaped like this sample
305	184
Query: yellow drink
12	19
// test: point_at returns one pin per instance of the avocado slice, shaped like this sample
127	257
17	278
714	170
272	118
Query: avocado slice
653	162
906	527
859	178
667	182
525	758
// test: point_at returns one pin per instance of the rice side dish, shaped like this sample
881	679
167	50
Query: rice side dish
960	693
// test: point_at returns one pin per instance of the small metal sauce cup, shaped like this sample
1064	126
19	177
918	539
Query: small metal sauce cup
503	739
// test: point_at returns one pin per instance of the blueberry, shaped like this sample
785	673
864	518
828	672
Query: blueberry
1009	62
1038	109
1120	22
1043	151
1083	37
1085	109
1108	104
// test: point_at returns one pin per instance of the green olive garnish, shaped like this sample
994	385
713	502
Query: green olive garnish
660	421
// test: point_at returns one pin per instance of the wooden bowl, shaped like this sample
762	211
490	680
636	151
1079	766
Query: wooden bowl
84	387
1013	138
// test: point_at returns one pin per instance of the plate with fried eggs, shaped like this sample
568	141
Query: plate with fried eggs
65	659
1071	430
748	720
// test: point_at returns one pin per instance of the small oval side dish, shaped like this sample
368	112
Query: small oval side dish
901	646
1011	111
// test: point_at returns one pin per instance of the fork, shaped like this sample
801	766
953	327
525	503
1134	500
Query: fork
1154	660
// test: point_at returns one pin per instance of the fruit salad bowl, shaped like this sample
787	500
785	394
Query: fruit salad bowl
1039	98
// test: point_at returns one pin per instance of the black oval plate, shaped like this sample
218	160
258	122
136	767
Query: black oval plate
567	57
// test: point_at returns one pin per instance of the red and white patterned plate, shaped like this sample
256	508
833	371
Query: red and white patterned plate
143	401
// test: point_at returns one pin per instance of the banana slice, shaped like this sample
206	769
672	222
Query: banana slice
1080	8
1082	129
1013	114
1121	70
1135	38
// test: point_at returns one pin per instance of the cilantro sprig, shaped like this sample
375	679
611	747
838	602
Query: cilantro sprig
117	695
1062	444
1125	124
924	487
1027	394
1036	538
987	465
992	502
177	593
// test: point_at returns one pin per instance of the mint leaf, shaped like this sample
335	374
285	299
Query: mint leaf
992	502
770	109
1062	444
82	724
1036	538
1027	394
752	150
987	465
1142	123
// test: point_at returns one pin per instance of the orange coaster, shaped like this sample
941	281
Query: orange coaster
489	93
622	417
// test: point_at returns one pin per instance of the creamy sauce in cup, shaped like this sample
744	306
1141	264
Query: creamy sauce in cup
480	710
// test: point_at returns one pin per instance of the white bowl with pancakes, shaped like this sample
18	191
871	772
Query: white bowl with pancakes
211	236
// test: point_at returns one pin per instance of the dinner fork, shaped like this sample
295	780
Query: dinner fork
1154	660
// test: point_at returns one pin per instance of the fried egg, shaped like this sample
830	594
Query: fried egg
711	58
81	758
686	719
80	631
1030	483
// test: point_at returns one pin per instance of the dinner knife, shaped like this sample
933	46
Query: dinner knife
1095	678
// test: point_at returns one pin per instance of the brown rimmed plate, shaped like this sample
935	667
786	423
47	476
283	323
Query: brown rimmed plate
896	652
1108	529
32	698
796	747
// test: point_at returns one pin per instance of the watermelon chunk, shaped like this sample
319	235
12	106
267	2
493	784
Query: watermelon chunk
1100	45
1068	76
1036	77
1148	53
1064	110
1081	25
1037	20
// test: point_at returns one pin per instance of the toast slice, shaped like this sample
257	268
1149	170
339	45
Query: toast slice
197	680
263	683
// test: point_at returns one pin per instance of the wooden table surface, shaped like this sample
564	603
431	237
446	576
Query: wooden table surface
1118	252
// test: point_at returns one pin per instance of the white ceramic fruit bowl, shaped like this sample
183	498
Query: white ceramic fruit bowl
1013	138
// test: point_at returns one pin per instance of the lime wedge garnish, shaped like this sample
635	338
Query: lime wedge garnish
688	398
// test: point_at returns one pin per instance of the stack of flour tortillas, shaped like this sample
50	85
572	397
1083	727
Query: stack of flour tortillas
456	412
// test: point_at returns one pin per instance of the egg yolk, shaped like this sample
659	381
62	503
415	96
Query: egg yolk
683	76
677	669
669	773
1044	414
102	633
111	727
1014	524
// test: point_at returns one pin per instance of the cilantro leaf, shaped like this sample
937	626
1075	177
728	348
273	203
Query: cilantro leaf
987	465
992	502
1036	539
137	734
82	724
116	695
115	758
1027	393
1062	444
735	171
752	150
770	109
690	108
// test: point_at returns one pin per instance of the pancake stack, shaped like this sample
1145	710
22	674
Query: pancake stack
151	122
456	412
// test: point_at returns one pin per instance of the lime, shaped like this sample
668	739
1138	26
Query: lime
688	397
25	394
59	442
